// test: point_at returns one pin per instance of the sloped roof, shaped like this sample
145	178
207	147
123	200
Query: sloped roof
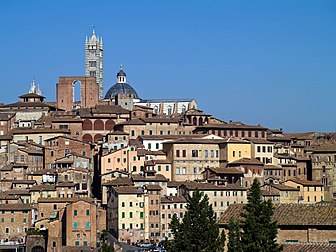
291	214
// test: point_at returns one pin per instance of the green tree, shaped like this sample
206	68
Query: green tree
198	231
106	248
234	243
259	231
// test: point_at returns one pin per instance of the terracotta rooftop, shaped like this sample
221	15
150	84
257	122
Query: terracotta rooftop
153	187
43	188
292	214
258	140
119	182
233	125
15	207
247	161
211	187
173	199
224	170
305	182
157	177
128	190
309	247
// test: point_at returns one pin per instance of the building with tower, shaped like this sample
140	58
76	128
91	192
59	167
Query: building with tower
94	60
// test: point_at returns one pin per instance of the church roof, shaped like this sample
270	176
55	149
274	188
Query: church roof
121	88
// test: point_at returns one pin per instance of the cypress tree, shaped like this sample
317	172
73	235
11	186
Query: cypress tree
234	243
259	231
198	231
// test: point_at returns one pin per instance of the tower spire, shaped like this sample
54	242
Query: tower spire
32	89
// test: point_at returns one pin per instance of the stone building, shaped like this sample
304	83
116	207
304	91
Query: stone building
310	191
16	219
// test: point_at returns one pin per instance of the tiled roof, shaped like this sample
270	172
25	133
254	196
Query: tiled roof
292	214
17	192
258	141
159	119
174	183
305	182
128	190
231	126
153	187
191	185
170	137
173	199
187	140
119	182
225	170
309	247
157	177
15	207
321	148
6	116
43	171
43	188
247	161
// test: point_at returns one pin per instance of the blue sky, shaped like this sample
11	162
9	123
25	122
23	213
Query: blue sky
259	62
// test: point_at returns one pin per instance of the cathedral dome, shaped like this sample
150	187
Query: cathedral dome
121	88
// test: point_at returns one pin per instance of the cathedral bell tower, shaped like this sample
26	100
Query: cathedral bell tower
94	60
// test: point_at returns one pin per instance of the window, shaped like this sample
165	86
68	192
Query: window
132	133
87	212
85	243
177	153
233	153
123	215
239	153
12	220
75	212
75	224
7	230
177	170
87	224
206	153
93	63
93	73
76	243
131	215
184	153
157	146
194	153
159	167
141	215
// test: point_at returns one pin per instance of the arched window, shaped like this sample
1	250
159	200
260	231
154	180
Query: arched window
156	110
87	125
98	137
169	110
98	125
195	121
87	138
200	121
109	124
183	108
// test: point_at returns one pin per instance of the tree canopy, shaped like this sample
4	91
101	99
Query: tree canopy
259	231
198	231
